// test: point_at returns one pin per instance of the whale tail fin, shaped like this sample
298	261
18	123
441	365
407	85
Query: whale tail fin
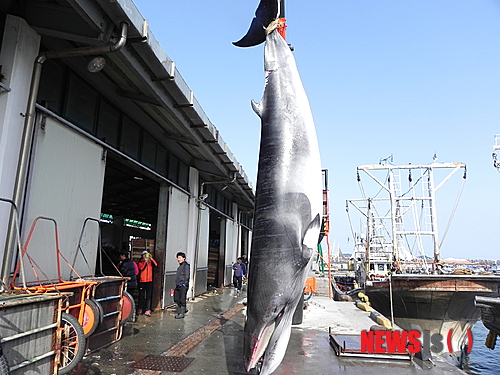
267	12
255	35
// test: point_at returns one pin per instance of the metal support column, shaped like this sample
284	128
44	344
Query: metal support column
161	244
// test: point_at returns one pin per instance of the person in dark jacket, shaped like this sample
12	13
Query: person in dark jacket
181	285
244	259
127	269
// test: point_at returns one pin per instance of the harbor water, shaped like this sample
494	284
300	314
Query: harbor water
482	360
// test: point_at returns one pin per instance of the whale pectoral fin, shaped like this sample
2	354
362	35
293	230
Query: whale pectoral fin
310	240
257	108
255	35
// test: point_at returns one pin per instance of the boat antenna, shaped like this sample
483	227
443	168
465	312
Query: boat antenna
386	160
496	147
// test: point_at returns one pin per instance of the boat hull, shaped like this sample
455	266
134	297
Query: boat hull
491	319
434	303
490	315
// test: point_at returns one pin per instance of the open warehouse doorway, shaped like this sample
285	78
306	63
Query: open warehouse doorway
216	251
129	212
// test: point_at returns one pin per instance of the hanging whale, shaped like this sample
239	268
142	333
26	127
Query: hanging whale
288	204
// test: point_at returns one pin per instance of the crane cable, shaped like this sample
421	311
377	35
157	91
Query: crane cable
350	221
454	210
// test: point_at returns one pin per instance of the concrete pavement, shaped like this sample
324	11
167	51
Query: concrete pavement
209	340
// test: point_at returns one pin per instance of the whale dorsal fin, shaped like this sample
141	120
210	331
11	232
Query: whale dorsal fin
257	108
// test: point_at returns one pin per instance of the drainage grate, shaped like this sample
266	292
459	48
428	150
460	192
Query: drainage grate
163	363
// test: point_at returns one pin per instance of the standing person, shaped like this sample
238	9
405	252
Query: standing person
239	269
181	285
127	269
145	265
360	273
245	262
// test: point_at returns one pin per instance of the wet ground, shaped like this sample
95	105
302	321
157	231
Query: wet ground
209	340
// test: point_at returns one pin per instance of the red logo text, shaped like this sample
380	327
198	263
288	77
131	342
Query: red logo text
407	341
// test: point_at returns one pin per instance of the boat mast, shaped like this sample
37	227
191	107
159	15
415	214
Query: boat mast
370	227
400	204
394	215
433	218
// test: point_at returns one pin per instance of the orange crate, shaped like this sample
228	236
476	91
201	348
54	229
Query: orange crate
310	285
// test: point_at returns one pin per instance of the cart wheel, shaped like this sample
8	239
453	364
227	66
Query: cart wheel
72	343
128	308
92	317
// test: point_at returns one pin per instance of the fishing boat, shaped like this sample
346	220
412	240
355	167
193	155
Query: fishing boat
490	307
490	316
403	283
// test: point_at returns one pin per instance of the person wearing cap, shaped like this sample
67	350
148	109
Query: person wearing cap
145	264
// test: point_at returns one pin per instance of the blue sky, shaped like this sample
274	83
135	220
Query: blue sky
407	78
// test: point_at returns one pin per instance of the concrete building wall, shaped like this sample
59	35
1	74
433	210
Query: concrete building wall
193	218
177	238
231	249
65	184
161	247
200	263
67	170
20	46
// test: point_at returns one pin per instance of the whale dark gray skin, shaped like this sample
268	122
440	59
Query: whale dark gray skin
267	12
288	206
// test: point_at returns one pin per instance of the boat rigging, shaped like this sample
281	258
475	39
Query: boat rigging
395	215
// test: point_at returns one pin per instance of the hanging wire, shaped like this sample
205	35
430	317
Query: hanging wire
418	237
413	185
350	221
362	190
387	180
453	211
360	185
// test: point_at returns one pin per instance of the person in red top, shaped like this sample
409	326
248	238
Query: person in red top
145	265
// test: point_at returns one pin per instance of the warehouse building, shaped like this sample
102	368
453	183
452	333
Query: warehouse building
102	138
